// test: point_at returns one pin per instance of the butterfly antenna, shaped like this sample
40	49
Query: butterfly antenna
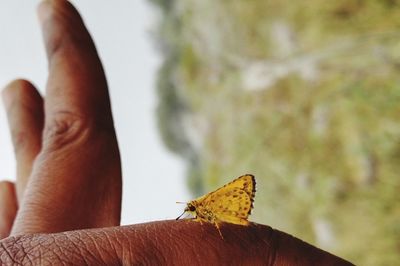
180	215
181	202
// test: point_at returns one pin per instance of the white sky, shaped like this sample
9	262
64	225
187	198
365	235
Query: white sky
153	177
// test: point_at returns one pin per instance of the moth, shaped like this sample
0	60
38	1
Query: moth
231	203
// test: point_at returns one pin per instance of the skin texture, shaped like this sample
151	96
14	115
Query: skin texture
62	209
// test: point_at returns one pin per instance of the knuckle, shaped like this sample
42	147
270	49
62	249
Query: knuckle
37	250
65	128
68	129
16	251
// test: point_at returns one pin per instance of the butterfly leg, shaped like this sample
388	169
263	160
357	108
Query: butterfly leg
189	220
197	219
219	230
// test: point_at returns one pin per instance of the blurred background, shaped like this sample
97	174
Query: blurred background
303	94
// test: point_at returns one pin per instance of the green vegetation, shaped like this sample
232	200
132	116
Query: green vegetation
304	95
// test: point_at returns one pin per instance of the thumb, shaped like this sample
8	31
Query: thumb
166	242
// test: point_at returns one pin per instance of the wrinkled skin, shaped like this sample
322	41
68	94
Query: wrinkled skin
65	204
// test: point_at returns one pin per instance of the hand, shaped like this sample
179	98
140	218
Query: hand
69	177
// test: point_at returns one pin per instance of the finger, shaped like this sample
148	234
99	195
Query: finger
76	179
8	208
24	107
167	242
76	83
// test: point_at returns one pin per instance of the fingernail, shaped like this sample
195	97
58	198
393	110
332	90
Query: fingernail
43	10
6	97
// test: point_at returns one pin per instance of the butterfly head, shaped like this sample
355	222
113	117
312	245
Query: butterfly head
190	208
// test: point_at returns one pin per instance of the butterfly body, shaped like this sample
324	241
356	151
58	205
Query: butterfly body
231	203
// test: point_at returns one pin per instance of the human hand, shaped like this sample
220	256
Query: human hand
69	177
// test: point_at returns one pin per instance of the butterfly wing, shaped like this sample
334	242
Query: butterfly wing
233	202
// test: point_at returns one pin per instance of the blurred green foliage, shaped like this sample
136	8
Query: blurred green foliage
303	94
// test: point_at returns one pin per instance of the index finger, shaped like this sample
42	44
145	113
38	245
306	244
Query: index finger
167	243
76	83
